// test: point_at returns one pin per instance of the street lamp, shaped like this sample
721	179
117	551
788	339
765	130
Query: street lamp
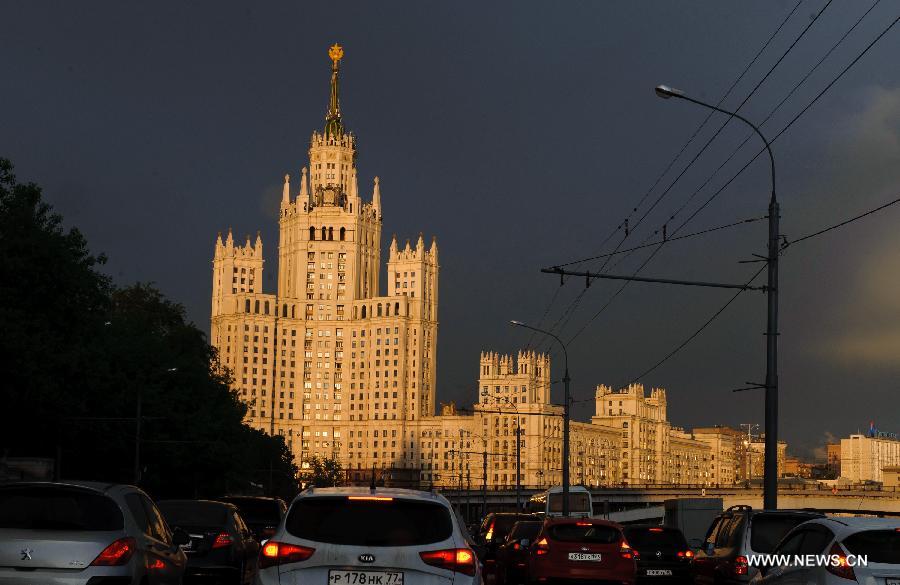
566	381
770	476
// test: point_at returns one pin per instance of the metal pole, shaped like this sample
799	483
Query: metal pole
770	482
565	468
484	482
518	467
137	440
770	476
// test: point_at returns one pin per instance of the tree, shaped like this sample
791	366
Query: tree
80	354
324	472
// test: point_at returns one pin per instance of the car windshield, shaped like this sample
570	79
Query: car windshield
655	537
880	546
367	521
57	508
583	532
190	513
257	511
524	530
767	530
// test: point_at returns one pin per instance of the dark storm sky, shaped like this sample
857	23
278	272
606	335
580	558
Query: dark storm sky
520	134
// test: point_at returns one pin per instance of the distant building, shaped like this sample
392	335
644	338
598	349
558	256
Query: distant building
725	448
756	455
864	457
834	460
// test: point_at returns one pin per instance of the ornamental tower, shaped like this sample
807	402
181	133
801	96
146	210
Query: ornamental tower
329	357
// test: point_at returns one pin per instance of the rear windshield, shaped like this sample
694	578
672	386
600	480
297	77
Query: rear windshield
257	511
504	523
595	533
881	546
767	530
524	530
57	508
659	538
362	522
201	514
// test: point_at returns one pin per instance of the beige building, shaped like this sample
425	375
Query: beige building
755	457
725	446
864	457
342	365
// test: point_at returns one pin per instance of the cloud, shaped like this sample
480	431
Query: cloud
867	144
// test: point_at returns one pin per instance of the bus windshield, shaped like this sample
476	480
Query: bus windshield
578	503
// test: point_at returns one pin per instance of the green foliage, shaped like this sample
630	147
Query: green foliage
81	353
323	472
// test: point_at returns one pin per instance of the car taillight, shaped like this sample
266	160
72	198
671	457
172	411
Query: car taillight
279	553
741	565
842	568
460	560
541	547
685	554
222	540
116	554
627	552
490	532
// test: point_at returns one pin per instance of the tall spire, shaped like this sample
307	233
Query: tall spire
333	124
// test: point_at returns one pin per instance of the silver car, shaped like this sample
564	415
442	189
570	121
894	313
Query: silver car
367	536
84	533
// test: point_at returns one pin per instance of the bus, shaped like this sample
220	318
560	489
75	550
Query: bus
549	503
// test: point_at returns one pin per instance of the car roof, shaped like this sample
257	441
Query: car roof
560	520
366	491
228	505
97	486
854	524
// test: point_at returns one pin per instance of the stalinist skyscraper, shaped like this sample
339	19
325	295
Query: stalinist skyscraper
330	354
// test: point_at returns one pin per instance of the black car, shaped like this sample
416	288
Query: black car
261	514
663	554
222	547
512	555
494	529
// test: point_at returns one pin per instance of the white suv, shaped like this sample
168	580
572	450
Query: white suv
842	540
363	536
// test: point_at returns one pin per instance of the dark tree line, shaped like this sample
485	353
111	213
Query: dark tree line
78	353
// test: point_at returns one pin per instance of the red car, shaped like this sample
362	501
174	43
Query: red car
586	550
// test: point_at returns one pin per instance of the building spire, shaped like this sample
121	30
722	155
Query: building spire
333	124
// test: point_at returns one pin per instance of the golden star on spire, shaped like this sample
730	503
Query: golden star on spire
336	52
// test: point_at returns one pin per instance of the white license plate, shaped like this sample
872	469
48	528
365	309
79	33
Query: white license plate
659	572
338	577
892	582
585	557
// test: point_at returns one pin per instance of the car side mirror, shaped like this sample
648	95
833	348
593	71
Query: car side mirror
524	543
180	537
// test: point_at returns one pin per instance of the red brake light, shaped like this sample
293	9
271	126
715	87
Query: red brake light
741	565
627	552
279	553
541	547
656	530
459	560
156	565
583	524
843	569
116	554
686	553
223	539
371	498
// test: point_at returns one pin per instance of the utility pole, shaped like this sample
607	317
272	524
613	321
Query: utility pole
484	482
518	467
137	439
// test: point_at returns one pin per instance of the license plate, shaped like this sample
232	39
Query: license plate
337	577
584	557
659	572
892	582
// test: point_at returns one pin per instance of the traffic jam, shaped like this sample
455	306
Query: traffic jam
105	534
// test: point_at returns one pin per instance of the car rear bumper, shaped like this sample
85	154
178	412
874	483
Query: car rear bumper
65	577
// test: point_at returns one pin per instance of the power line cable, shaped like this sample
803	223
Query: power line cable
722	188
674	159
838	225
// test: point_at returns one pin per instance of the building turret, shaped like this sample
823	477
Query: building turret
376	199
286	192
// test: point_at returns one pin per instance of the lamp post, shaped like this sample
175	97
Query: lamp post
770	476
566	381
